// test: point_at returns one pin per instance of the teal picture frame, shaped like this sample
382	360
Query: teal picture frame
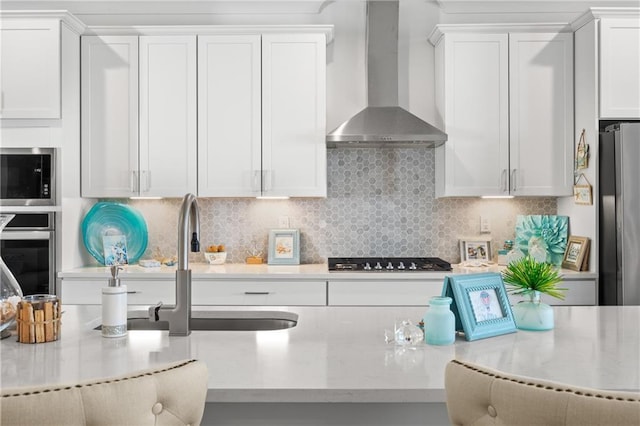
480	304
284	247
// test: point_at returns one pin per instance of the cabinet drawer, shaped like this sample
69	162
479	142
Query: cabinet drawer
89	292
259	293
579	293
387	293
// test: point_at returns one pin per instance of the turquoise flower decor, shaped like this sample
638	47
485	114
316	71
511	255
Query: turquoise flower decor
537	233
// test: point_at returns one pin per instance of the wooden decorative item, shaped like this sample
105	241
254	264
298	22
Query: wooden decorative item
582	153
38	319
582	194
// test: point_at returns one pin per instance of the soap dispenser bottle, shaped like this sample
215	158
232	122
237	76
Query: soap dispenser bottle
114	306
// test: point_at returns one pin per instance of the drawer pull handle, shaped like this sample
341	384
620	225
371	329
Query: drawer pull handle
133	292
254	293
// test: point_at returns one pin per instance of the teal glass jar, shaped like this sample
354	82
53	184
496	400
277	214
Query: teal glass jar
533	315
439	322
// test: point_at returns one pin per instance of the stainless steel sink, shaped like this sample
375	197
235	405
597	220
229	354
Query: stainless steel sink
220	321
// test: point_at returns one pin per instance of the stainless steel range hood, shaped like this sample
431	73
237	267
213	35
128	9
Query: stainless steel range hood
383	123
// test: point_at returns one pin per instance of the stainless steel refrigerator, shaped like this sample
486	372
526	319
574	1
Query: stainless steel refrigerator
619	213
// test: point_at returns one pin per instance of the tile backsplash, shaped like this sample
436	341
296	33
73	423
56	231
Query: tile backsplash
380	202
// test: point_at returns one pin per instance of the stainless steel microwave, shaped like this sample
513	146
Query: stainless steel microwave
27	176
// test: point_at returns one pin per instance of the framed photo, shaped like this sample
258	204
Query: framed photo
475	250
582	194
284	247
115	250
480	304
576	255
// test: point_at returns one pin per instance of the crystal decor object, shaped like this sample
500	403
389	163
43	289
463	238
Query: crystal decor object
10	291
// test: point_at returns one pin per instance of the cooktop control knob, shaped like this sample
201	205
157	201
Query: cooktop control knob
378	266
413	266
401	265
367	266
389	266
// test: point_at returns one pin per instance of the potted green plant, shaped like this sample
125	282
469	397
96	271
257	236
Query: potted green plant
530	278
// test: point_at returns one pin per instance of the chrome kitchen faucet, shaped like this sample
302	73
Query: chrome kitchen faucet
179	315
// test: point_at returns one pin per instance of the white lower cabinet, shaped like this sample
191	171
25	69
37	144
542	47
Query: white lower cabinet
383	293
139	292
270	293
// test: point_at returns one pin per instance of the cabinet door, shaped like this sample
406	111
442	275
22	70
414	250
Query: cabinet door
288	293
383	293
473	69
109	122
167	116
541	114
293	115
620	68
30	68
139	292
229	139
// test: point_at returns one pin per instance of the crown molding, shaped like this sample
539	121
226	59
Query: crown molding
527	6
173	7
151	30
605	12
74	23
442	29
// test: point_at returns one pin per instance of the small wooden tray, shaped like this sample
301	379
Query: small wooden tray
254	260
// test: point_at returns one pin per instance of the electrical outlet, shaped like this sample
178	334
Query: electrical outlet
283	222
485	225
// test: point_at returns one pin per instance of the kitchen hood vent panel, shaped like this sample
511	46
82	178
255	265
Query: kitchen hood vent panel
385	126
383	123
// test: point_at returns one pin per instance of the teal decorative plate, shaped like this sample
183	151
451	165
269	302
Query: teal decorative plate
543	232
107	219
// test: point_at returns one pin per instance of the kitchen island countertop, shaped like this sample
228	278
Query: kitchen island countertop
336	354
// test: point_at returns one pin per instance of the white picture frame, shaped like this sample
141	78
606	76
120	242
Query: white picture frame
475	250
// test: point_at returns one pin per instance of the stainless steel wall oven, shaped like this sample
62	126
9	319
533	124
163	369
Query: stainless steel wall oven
27	246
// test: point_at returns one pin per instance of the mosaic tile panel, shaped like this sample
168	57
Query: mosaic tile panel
380	202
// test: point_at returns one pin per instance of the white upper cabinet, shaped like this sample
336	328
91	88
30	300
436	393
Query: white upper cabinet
138	125
294	156
261	109
474	96
620	68
507	103
168	143
229	122
541	114
109	119
30	68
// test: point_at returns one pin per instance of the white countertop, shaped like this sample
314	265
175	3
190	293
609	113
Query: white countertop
336	354
234	271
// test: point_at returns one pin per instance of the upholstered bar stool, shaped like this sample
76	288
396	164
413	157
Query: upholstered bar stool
480	396
171	395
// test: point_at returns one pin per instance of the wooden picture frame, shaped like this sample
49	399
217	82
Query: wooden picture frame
576	255
475	250
480	304
284	247
582	194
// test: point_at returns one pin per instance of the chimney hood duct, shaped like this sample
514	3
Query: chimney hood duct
383	123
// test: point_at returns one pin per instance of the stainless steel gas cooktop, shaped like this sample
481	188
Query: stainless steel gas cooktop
388	264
